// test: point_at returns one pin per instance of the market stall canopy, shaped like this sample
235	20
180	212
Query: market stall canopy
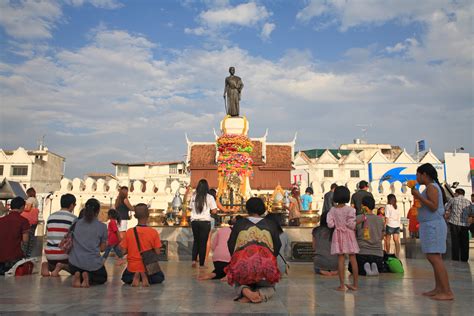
10	189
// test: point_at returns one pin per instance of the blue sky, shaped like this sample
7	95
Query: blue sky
110	80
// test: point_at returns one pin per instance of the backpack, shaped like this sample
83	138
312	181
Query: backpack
395	265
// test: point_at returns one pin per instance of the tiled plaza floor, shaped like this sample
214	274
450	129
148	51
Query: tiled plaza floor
303	293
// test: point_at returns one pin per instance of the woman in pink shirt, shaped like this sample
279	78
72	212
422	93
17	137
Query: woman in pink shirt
220	252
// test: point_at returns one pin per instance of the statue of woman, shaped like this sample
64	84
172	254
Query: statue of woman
233	88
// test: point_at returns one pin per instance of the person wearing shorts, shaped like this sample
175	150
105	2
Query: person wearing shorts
392	221
123	207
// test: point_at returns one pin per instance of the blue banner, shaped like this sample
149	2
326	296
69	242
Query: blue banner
420	145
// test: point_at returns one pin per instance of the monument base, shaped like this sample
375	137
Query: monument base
235	125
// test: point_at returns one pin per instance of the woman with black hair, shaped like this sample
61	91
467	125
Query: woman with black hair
254	245
433	228
89	239
324	262
202	205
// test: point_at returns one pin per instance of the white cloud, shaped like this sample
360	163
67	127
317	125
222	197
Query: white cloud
103	4
223	17
267	30
355	13
245	14
313	9
36	20
402	46
29	19
197	31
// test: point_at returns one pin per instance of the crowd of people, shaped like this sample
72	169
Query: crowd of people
252	252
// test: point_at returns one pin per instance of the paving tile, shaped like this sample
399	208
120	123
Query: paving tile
302	293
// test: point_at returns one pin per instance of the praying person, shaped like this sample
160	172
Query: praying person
254	245
149	238
57	227
324	262
89	239
369	232
220	252
14	232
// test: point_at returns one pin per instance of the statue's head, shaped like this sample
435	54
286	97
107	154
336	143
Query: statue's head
231	70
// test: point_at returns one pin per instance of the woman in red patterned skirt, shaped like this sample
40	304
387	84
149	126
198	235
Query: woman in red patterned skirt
254	245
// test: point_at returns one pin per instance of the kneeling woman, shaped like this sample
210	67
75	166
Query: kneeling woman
89	239
254	244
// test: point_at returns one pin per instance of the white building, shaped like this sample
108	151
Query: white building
40	169
157	172
385	167
458	171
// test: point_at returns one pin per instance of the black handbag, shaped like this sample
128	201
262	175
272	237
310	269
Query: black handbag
149	257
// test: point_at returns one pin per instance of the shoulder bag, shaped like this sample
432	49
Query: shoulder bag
149	257
66	243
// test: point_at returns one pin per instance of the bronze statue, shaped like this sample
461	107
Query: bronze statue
233	88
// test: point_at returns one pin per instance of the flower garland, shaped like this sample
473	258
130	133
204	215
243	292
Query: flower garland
234	155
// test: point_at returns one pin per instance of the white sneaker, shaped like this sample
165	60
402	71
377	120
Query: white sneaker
375	270
367	268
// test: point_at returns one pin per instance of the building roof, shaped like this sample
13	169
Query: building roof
148	163
35	152
100	175
318	152
203	157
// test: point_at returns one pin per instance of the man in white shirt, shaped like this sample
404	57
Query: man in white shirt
392	222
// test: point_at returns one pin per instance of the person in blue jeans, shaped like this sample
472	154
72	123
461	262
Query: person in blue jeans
307	199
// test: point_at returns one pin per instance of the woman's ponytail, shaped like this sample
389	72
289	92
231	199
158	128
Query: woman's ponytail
91	210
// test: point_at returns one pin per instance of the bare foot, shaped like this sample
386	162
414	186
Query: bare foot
208	276
327	273
57	268
341	288
144	278
253	296
193	265
85	280
443	297
224	279
76	279
136	279
351	287
44	269
244	300
430	293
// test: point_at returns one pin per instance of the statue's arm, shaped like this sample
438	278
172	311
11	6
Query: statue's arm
225	87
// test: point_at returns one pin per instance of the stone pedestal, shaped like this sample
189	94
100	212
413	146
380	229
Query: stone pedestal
235	125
